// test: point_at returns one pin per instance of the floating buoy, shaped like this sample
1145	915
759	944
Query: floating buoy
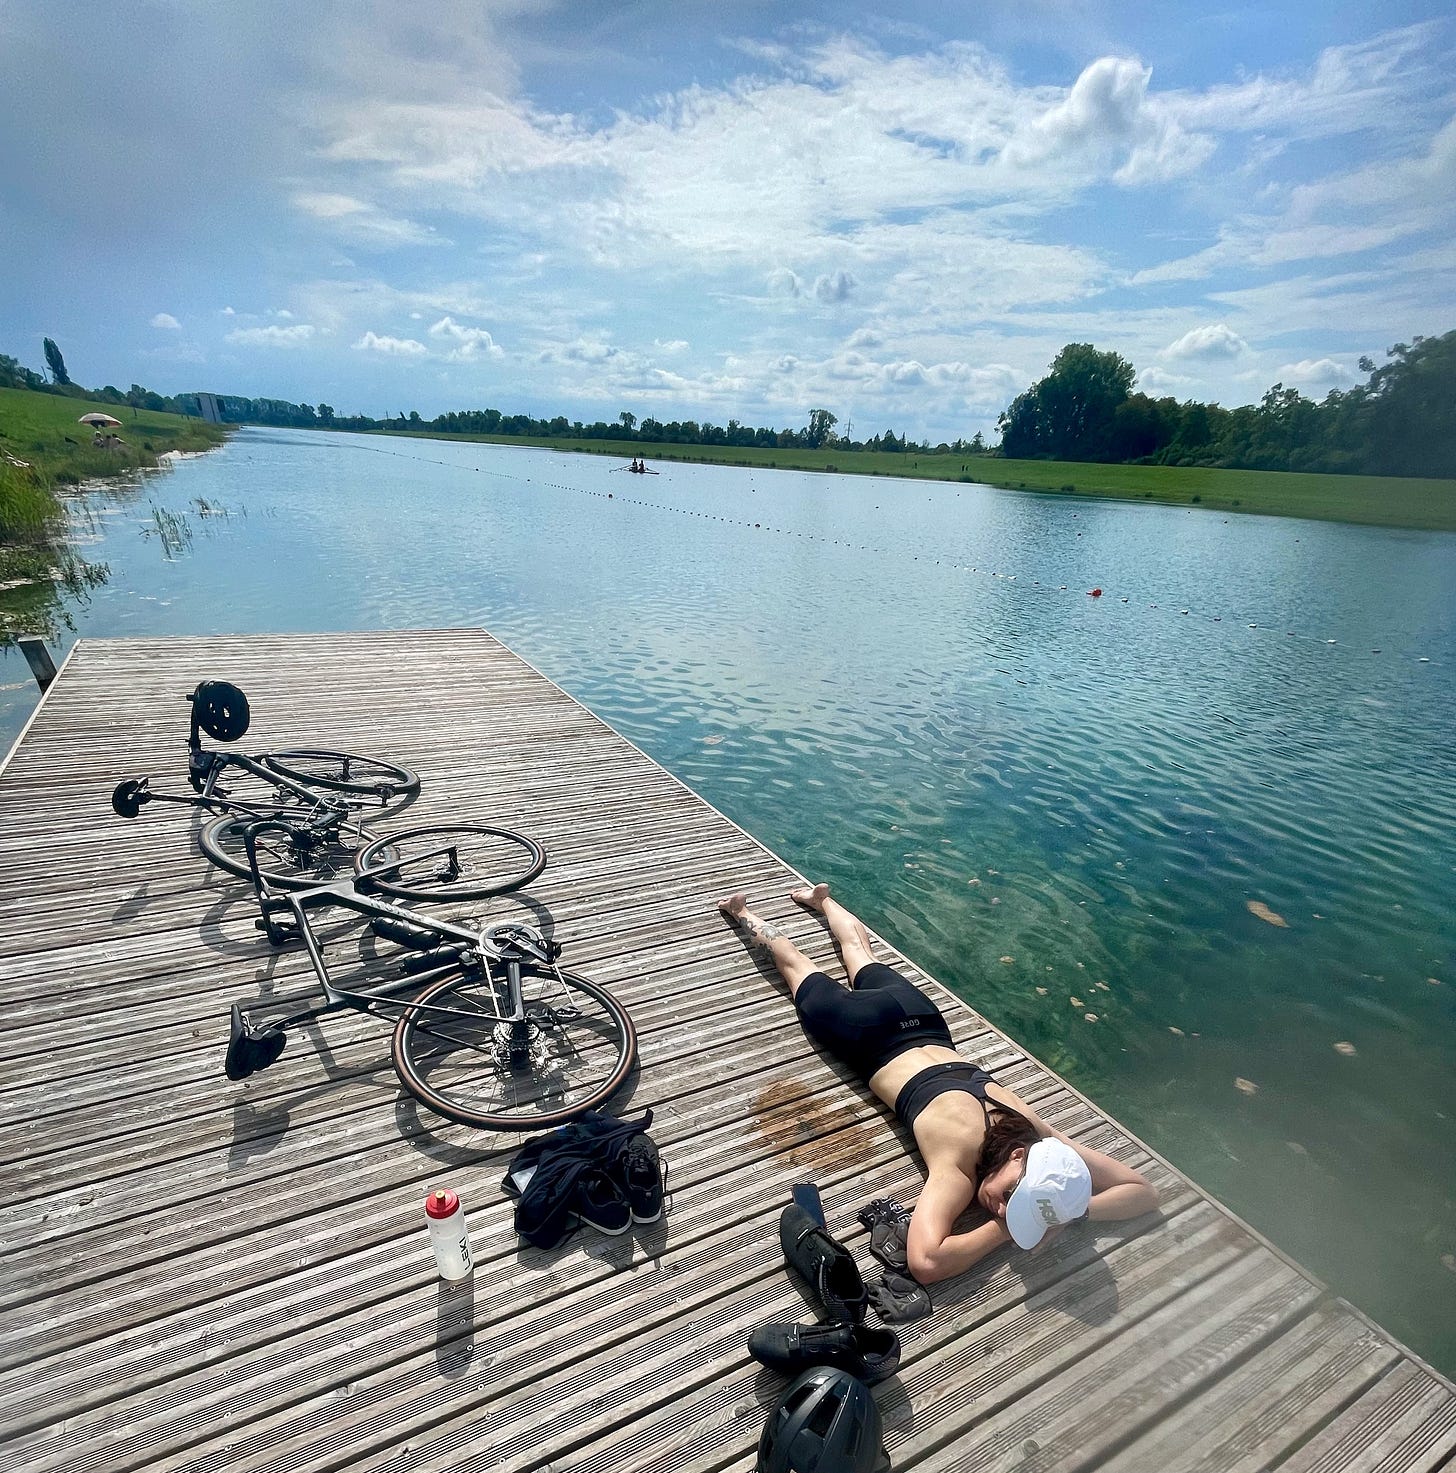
1096	593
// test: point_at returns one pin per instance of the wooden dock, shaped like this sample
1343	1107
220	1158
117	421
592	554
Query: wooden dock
201	1275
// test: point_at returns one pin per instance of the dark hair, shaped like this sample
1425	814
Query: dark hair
1008	1130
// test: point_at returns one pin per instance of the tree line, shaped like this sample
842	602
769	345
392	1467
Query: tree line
1400	422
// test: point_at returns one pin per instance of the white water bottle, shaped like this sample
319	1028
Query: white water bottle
449	1236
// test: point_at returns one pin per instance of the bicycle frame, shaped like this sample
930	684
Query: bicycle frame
471	946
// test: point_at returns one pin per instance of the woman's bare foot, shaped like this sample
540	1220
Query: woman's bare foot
811	897
757	932
733	906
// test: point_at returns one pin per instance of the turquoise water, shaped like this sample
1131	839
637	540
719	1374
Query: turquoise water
1060	805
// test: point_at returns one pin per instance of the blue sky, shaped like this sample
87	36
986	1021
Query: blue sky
716	211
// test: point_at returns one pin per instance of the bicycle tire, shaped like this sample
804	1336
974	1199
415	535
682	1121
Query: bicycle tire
451	1063
320	767
281	864
491	861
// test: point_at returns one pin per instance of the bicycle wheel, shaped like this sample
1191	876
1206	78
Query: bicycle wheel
343	772
450	861
295	859
456	1057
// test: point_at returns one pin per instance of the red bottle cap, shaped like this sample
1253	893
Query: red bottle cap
442	1204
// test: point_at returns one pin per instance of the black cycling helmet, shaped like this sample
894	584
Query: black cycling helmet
220	709
825	1422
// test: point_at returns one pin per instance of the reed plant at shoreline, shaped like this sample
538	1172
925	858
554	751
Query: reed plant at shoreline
44	450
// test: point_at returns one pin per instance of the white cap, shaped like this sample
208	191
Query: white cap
1055	1189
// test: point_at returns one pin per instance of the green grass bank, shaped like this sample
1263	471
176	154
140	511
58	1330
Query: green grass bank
44	449
1380	501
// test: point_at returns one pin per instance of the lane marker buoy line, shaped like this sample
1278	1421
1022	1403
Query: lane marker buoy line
845	542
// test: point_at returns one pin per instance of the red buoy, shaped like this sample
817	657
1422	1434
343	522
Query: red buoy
1096	593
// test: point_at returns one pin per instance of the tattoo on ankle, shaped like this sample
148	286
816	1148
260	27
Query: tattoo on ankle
762	933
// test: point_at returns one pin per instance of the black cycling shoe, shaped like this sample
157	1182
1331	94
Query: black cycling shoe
639	1169
601	1203
861	1350
826	1266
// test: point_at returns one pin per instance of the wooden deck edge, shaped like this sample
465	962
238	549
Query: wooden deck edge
30	720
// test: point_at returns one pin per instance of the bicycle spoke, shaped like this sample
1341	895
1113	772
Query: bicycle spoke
450	861
570	1051
308	852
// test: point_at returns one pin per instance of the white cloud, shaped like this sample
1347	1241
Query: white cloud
470	342
834	286
271	337
1157	382
972	211
175	353
363	224
1316	373
373	342
1348	89
847	142
1108	122
228	312
1364	209
1216	341
166	322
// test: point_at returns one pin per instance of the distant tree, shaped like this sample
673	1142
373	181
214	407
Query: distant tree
326	414
1141	427
978	443
56	363
821	429
14	375
629	420
1068	415
1405	409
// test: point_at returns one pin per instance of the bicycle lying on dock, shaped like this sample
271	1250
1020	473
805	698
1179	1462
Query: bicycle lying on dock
488	1029
312	799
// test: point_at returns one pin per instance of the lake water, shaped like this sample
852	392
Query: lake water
1060	805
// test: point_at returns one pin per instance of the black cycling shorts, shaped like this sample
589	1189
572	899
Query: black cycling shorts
882	1016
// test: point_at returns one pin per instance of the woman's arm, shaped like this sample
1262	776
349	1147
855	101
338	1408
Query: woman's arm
932	1251
1118	1191
930	1262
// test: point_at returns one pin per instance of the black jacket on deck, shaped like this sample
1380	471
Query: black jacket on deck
544	1173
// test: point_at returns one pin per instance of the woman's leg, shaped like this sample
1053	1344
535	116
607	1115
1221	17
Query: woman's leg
850	937
765	939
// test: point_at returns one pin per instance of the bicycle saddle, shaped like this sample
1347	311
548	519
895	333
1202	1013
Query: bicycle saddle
250	1049
221	710
129	796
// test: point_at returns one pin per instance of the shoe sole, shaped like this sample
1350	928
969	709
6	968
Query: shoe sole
610	1232
656	1217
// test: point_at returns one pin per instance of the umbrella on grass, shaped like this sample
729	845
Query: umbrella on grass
99	420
